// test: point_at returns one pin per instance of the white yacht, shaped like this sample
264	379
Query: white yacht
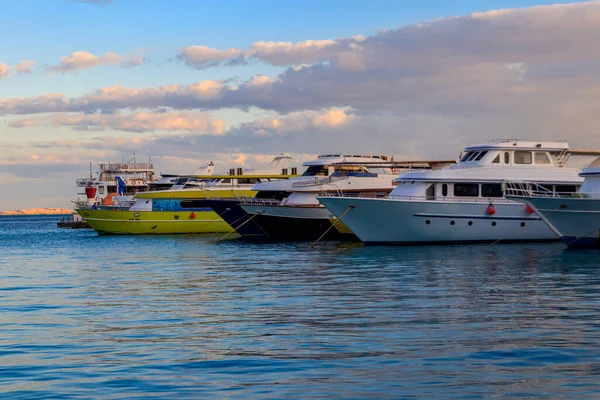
294	213
575	217
464	202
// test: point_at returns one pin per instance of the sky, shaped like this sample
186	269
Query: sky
237	82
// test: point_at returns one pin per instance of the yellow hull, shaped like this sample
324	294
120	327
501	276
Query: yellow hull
340	226
125	222
154	222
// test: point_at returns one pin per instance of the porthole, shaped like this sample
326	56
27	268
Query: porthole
428	222
176	216
522	224
494	223
470	223
452	222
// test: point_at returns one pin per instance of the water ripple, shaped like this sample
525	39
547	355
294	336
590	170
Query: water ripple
86	316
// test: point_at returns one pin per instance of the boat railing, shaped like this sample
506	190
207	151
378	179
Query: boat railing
259	202
317	181
381	195
532	189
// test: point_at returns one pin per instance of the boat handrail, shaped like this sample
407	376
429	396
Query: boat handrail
482	200
260	202
533	189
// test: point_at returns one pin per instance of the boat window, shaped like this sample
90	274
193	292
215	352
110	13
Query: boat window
541	158
192	204
491	190
226	181
565	188
481	155
349	168
269	194
101	189
496	160
506	157
248	181
467	155
444	190
472	156
316	170
466	189
522	157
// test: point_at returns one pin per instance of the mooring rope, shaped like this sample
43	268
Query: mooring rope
350	207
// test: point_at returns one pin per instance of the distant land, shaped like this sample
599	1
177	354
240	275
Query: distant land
37	211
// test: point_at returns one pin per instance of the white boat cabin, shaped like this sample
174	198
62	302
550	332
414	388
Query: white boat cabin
479	173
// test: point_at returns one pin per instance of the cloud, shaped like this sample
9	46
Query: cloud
23	67
79	60
3	70
276	53
525	72
132	122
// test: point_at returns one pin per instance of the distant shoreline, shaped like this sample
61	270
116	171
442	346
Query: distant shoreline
37	211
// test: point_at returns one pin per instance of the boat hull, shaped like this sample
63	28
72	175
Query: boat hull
122	222
232	213
289	223
394	221
576	221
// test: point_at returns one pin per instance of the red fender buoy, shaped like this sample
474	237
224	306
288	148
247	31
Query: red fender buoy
491	209
192	216
529	209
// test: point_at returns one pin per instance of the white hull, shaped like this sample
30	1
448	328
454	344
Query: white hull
426	221
576	221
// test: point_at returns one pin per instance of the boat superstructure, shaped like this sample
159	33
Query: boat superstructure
575	217
133	176
289	210
464	202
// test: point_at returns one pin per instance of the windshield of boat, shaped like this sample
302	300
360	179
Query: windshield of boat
316	170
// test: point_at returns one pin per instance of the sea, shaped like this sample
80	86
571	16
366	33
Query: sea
84	316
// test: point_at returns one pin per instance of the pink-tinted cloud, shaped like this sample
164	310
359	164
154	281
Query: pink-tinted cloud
191	121
276	53
3	70
79	60
24	67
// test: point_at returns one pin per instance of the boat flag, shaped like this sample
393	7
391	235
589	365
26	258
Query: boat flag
121	186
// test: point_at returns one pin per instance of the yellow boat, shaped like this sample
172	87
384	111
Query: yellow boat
178	211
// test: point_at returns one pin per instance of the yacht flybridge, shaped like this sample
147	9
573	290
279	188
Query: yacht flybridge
575	217
464	202
289	210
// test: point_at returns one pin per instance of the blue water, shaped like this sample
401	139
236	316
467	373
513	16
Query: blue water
87	316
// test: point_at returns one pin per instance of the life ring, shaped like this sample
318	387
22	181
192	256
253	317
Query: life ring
133	183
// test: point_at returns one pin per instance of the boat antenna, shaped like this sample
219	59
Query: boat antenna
90	170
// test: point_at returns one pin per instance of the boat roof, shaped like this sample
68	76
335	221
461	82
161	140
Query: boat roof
327	159
382	161
520	144
243	176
